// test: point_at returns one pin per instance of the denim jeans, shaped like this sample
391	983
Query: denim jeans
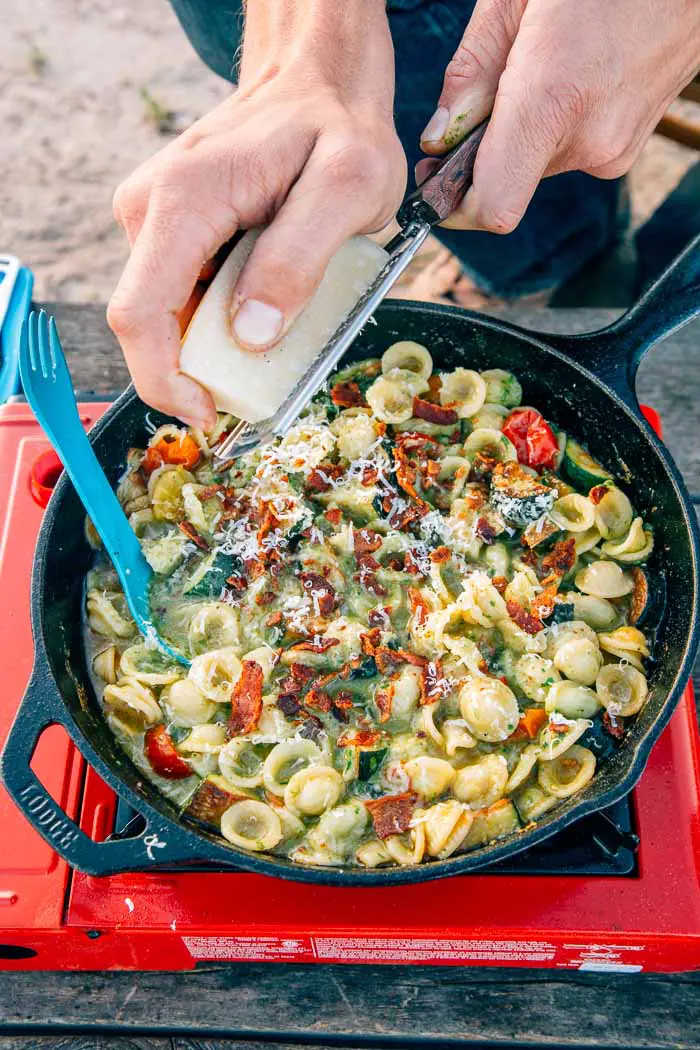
572	217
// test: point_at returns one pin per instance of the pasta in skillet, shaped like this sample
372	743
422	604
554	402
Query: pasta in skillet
410	621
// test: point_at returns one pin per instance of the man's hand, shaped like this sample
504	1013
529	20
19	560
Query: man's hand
306	144
572	86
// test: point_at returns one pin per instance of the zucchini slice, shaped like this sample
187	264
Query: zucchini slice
210	575
580	467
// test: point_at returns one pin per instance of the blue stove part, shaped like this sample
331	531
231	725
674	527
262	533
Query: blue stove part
17	312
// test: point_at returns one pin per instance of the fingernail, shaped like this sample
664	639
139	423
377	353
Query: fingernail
257	324
437	125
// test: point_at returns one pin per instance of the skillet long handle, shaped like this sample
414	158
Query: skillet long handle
615	353
156	846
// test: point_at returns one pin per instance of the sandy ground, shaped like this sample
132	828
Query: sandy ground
74	122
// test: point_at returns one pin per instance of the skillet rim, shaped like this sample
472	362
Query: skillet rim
231	857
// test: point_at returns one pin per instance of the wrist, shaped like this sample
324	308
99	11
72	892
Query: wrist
330	41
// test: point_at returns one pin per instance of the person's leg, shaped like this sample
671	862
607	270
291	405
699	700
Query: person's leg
572	217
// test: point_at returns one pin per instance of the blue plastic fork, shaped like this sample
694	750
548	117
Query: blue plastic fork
49	390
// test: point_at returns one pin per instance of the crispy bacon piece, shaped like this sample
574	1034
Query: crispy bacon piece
362	738
435	386
406	476
500	583
392	814
334	515
528	623
432	413
320	478
384	698
367	575
433	684
366	541
420	607
246	699
485	531
561	558
289	704
343	700
265	598
320	591
164	758
209	491
274	619
475	495
379	617
237	582
417	441
598	493
321	646
151	461
640	595
347	395
388	660
414	563
190	531
369	476
318	699
616	728
542	605
430	471
370	641
440	555
482	466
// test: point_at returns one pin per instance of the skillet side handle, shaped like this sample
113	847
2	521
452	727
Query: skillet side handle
155	846
615	353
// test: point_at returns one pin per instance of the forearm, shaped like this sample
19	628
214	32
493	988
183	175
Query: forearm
335	41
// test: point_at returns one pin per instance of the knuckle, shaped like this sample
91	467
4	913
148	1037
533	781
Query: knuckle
126	202
604	155
497	218
123	317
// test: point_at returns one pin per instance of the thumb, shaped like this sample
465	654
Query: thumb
471	78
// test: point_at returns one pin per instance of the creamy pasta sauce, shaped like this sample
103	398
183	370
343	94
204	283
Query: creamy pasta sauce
407	620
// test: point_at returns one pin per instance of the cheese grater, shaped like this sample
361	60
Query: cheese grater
434	200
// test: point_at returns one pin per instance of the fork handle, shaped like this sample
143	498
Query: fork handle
95	492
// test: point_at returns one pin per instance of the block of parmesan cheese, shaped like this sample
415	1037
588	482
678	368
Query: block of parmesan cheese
253	385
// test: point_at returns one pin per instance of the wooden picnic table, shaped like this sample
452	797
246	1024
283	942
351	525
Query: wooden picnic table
254	1006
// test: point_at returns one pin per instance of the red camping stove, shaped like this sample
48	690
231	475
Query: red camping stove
618	892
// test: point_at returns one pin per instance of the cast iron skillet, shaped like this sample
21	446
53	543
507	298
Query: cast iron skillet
584	383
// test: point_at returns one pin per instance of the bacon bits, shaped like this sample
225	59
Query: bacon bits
362	738
320	646
246	700
347	395
561	558
613	727
320	591
598	494
485	531
432	413
525	620
334	515
322	477
318	699
392	814
433	684
500	583
383	699
366	541
190	531
164	758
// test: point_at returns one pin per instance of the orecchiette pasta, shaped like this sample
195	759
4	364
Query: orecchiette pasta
251	825
463	390
622	689
567	775
482	783
489	708
404	619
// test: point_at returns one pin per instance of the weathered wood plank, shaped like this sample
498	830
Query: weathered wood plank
89	1042
455	1006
